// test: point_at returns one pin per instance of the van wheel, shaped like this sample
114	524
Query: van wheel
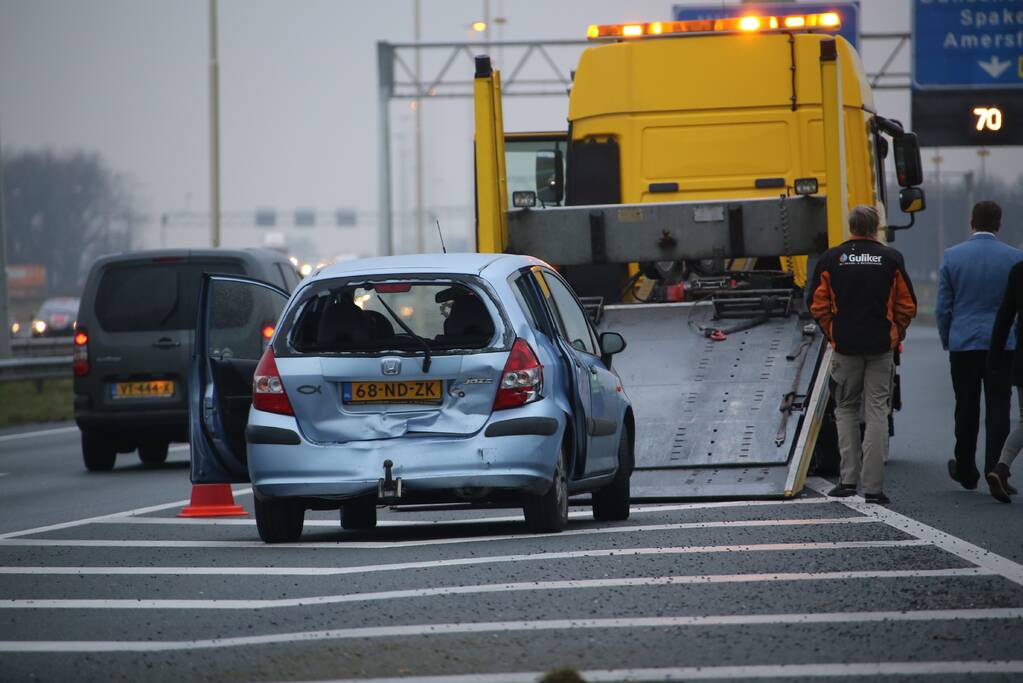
611	503
548	513
98	452
279	521
153	452
359	514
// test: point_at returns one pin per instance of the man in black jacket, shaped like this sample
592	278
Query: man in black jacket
863	300
1010	310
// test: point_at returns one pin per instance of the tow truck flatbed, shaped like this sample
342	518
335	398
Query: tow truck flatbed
709	418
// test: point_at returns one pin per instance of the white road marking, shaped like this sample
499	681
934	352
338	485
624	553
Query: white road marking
367	632
101	518
715	673
973	554
457	562
38	432
361	545
575	514
481	589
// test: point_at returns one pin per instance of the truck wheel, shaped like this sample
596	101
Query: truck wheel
359	514
153	453
279	521
548	513
611	503
98	452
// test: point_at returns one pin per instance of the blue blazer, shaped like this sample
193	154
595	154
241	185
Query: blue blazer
971	284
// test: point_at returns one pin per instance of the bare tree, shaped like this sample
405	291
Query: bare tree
64	211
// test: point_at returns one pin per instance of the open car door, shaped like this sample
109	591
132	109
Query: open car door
237	318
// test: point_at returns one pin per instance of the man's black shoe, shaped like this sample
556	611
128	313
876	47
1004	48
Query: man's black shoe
877	498
954	473
843	491
998	483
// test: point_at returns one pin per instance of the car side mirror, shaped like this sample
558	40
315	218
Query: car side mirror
550	176
908	167
610	344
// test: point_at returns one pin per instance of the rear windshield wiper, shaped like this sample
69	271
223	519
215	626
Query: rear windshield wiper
408	330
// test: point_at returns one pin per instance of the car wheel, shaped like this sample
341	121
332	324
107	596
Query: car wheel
611	503
279	521
359	514
153	452
548	513
98	452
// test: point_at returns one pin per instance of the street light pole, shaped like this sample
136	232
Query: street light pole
5	320
418	104
214	130
937	159
983	153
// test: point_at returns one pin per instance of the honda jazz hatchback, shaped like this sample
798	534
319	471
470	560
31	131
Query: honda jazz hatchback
408	380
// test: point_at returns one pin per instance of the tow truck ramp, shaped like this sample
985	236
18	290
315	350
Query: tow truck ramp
736	417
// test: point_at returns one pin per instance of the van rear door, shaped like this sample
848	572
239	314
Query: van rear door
146	311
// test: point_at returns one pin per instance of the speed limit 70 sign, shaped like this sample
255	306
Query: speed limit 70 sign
968	118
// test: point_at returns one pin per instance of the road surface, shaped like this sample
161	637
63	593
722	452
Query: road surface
100	581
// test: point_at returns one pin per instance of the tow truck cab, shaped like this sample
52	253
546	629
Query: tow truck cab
694	111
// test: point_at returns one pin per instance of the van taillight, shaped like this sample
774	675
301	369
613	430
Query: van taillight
267	389
521	379
80	353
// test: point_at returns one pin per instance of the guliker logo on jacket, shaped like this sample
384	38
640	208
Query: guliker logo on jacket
869	259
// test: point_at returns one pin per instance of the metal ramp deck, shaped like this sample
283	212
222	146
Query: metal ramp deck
708	413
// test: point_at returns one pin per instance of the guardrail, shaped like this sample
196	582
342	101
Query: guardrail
46	367
41	346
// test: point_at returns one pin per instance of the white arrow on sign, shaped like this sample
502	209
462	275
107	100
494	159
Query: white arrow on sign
994	66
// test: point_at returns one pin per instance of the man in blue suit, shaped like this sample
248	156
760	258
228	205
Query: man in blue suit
970	286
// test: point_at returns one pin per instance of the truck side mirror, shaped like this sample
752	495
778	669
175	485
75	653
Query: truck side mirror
908	167
911	200
550	176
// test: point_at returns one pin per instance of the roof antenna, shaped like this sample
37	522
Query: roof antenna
441	234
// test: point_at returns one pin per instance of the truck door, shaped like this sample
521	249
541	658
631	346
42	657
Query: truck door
236	319
595	384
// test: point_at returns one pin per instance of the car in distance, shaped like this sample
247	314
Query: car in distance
133	343
407	380
56	317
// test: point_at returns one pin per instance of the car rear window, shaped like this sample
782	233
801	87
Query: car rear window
142	297
368	317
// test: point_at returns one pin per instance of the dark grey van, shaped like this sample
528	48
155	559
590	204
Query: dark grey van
133	345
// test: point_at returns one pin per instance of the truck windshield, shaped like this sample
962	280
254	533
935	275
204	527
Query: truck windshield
529	160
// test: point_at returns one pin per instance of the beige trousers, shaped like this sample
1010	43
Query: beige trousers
862	384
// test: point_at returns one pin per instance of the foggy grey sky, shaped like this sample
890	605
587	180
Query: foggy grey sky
128	78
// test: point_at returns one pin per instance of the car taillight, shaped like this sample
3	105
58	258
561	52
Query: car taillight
521	379
80	353
267	389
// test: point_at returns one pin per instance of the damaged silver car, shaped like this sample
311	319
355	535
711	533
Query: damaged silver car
474	378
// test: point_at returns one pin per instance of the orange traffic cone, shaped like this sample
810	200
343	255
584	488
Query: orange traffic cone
212	500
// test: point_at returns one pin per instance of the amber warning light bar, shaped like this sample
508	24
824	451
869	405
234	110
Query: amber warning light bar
827	20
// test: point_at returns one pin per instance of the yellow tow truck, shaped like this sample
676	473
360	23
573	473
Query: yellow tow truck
705	166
